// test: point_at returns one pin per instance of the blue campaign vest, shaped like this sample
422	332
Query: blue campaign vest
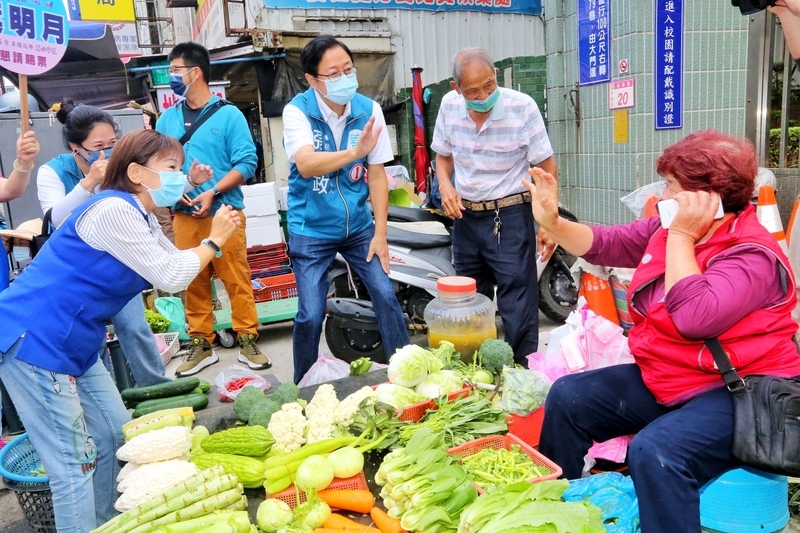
332	206
67	169
62	299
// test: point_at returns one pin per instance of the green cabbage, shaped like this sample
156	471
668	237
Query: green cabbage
440	383
409	365
397	396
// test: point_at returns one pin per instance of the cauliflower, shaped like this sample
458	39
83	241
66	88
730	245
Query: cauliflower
157	445
347	408
321	424
151	480
288	427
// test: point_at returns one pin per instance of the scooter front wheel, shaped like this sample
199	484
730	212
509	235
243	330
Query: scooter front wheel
349	344
557	291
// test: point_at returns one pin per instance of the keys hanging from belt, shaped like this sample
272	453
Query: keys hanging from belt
497	224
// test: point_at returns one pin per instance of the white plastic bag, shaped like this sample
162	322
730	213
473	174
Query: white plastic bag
636	200
327	368
231	380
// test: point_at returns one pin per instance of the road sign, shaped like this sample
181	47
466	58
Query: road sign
621	94
623	66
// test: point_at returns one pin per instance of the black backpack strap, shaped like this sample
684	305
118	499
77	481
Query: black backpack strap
47	230
199	122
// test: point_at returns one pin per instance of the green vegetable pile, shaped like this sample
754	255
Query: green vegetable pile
157	323
362	365
256	409
527	508
494	469
454	423
423	486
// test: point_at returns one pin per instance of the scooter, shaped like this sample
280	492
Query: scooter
420	252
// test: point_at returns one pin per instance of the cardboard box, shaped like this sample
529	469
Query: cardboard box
264	230
260	200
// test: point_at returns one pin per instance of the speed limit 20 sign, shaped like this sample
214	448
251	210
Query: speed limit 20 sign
621	94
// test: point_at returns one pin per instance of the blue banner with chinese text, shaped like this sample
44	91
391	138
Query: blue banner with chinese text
529	7
594	41
668	79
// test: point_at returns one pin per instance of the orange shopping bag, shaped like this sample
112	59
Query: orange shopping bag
599	296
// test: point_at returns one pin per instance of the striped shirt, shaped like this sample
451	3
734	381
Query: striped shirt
490	163
115	226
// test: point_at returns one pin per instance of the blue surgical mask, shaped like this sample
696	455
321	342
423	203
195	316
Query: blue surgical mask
177	85
94	155
22	254
484	106
342	90
173	183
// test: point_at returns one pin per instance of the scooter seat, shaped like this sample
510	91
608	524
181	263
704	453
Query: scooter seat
413	214
418	236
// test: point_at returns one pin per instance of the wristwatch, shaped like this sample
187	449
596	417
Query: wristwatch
216	191
214	246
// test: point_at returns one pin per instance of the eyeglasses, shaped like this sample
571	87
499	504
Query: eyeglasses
349	72
176	68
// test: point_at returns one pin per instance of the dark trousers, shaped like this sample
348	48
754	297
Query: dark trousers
675	452
510	264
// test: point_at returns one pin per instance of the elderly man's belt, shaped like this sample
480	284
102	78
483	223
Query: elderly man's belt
507	201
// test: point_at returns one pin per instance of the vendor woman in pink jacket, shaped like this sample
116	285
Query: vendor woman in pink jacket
703	277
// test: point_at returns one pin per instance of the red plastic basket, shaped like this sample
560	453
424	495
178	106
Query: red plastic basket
289	496
416	411
276	288
528	428
506	441
267	249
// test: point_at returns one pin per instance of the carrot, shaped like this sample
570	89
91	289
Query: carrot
384	522
356	500
342	523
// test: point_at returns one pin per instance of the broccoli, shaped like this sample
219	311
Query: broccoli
245	400
494	354
262	412
287	392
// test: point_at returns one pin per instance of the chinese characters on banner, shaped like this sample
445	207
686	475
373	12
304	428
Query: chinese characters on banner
530	7
594	41
102	10
668	84
33	35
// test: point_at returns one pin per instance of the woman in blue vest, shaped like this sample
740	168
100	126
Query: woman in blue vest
13	186
54	314
68	180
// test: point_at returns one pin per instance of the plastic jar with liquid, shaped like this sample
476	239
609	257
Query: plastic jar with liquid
460	315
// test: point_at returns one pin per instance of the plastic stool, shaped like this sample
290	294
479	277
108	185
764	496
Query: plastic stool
745	500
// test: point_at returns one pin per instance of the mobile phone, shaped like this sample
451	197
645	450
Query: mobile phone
195	207
667	209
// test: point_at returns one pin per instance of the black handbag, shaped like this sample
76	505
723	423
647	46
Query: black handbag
47	230
766	432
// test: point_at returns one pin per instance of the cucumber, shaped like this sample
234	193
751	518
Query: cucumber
175	387
195	401
205	385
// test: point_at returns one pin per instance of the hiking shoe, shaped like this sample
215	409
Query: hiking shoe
200	356
250	354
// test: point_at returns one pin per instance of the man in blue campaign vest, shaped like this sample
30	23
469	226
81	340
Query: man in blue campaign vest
335	138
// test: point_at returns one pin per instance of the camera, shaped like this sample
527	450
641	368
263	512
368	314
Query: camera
748	7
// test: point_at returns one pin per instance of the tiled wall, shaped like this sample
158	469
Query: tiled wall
594	172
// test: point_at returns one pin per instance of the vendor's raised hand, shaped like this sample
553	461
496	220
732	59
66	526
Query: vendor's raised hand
205	199
225	222
97	173
696	211
544	197
792	5
368	139
27	148
451	200
199	174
